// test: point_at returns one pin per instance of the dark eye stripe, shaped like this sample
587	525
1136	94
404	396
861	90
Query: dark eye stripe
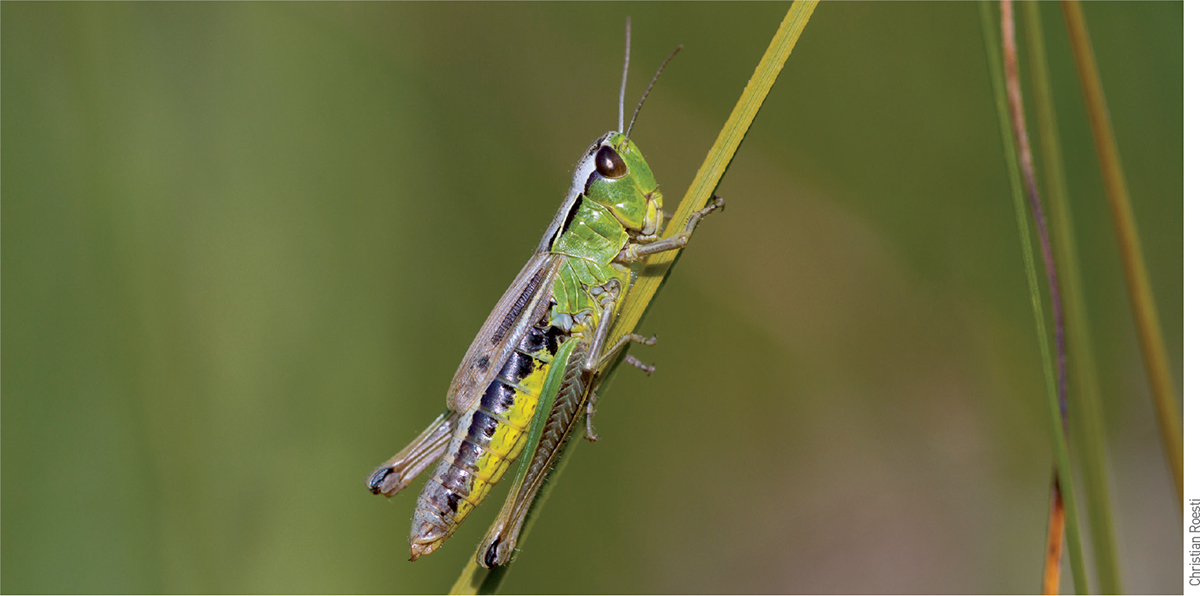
594	176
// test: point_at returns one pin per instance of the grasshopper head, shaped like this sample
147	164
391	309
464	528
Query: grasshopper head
621	181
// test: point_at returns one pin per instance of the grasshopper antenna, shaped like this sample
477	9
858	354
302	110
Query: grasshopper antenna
624	75
648	88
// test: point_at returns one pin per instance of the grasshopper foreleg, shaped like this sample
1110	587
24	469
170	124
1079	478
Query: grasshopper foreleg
635	252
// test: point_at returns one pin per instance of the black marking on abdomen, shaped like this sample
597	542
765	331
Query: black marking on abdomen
483	426
497	399
537	340
456	480
541	337
452	500
446	504
518	367
468	454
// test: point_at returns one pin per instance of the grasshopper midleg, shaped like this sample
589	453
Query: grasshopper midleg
630	360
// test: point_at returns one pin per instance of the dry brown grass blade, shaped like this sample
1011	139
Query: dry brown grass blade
1137	280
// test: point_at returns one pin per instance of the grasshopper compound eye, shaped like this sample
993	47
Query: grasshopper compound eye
609	164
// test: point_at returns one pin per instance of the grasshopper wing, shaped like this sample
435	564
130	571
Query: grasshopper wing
522	305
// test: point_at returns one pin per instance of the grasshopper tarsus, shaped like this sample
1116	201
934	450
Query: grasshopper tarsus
646	368
591	411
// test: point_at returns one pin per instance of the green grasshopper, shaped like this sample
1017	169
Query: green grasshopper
532	370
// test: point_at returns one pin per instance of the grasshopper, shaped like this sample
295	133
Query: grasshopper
532	370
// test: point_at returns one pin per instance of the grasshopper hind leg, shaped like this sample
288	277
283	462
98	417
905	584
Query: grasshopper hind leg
399	471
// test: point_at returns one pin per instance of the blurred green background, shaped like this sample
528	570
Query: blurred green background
245	247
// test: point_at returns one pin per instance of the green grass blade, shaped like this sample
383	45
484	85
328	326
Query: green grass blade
477	580
1085	400
1062	458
